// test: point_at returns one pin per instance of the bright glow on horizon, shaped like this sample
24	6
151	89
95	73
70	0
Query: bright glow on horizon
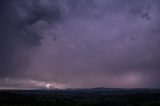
29	84
48	86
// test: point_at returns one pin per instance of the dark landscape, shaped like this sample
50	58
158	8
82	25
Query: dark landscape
81	97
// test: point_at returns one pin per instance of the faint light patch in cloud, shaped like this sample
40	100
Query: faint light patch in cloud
28	84
130	80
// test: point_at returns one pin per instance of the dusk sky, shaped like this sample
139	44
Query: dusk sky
79	44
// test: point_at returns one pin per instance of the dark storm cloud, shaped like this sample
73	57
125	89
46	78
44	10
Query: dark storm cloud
83	43
19	30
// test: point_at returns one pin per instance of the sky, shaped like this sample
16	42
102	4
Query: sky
47	44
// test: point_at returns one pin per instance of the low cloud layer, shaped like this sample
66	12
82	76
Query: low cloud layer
28	84
81	43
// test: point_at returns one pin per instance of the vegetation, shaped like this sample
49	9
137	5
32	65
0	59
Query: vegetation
81	97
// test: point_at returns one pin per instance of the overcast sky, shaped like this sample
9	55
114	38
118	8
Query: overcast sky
79	44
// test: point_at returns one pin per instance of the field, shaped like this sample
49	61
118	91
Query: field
81	97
